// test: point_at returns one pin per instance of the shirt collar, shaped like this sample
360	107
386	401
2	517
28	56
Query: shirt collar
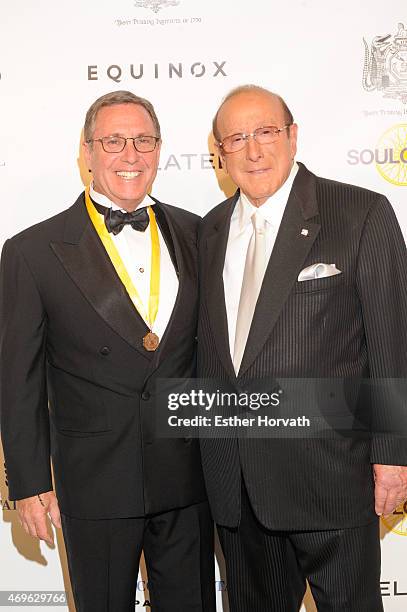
100	198
273	208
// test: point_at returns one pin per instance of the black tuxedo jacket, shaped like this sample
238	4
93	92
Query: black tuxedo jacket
332	333
71	337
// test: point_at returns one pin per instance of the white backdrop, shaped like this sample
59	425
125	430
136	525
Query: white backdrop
56	58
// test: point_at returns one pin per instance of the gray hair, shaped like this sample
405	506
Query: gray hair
111	99
288	117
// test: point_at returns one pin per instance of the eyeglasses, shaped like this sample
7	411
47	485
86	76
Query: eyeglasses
263	135
116	144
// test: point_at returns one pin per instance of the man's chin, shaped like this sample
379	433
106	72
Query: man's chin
128	198
260	197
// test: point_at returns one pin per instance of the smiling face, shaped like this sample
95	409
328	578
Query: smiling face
259	170
125	177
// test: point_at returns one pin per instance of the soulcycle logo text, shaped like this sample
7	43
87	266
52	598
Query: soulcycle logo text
389	155
170	70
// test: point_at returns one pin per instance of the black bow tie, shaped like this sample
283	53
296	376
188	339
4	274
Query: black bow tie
115	220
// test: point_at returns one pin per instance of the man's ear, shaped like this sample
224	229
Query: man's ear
158	148
87	152
222	156
293	132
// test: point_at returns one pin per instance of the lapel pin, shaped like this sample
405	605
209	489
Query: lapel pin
304	232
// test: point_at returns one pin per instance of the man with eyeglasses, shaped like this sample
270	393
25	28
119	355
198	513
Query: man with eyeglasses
303	294
97	303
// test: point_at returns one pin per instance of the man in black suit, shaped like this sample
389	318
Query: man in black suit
303	293
97	303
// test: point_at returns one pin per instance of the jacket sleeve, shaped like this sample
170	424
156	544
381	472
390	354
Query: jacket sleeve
382	287
23	393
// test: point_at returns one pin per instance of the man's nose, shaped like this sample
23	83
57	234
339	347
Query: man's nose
130	153
253	149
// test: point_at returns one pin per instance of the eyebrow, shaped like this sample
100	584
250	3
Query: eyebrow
258	128
123	136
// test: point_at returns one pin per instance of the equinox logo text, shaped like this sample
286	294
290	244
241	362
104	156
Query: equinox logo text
171	70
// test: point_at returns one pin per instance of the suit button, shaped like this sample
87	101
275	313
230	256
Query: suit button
145	396
105	350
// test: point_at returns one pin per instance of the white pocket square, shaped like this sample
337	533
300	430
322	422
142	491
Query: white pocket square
318	270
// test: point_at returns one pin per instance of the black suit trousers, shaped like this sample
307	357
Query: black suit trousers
103	558
267	570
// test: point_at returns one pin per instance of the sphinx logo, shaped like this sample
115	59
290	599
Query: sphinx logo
155	5
385	65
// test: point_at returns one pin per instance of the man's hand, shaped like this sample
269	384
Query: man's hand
390	487
33	513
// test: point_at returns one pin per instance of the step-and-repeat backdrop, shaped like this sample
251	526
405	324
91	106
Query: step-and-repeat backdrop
342	67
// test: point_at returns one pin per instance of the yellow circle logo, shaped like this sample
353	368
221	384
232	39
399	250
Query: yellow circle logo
391	155
397	521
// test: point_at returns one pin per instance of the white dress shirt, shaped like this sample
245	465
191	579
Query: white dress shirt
240	232
134	248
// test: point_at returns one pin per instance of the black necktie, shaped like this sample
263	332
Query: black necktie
115	220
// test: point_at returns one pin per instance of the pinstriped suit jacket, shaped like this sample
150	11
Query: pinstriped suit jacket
338	330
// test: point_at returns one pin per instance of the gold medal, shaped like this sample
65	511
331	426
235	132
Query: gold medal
151	341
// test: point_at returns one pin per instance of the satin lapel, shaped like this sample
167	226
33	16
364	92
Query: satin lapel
88	265
289	253
214	261
173	242
161	214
